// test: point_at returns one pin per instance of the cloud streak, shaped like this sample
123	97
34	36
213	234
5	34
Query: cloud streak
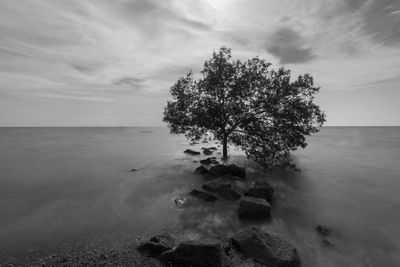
116	52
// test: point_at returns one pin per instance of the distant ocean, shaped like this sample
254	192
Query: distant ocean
61	187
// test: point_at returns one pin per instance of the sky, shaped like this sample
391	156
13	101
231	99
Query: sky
112	63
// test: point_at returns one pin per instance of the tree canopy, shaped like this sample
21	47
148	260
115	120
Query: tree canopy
247	104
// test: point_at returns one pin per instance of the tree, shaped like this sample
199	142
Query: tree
246	104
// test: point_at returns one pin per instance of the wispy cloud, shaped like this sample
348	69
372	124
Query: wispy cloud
116	52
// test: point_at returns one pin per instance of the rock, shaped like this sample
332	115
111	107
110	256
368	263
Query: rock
266	248
199	253
232	169
209	148
203	195
323	230
219	170
157	245
181	202
133	170
230	193
207	151
256	208
191	152
326	243
208	161
237	171
264	191
215	185
209	177
201	170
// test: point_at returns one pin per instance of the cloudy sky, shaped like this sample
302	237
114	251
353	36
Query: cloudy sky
111	63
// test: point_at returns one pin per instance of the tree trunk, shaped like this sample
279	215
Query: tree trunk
225	147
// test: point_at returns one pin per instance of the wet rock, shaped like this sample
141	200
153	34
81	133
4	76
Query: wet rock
326	243
323	230
201	170
181	202
219	170
207	151
237	171
232	169
215	185
191	152
264	191
230	193
255	208
199	253
203	195
157	245
266	248
208	161
210	148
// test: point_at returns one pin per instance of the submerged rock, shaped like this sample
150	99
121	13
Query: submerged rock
263	190
230	193
215	185
255	208
266	248
203	195
323	230
191	152
157	245
199	253
326	243
133	170
201	170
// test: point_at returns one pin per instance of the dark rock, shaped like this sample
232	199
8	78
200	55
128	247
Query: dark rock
237	171
230	193
133	170
207	151
323	230
200	253
201	170
215	185
209	148
219	170
266	248
264	191
256	208
203	195
157	245
191	152
208	161
209	177
326	243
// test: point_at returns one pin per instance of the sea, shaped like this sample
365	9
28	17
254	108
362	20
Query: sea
71	187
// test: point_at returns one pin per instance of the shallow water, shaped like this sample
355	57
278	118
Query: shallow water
63	186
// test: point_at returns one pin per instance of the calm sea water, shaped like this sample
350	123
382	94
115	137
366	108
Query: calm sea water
66	186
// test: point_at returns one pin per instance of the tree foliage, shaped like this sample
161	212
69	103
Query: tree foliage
247	104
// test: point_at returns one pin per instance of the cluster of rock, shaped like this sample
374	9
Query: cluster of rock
228	181
324	232
262	247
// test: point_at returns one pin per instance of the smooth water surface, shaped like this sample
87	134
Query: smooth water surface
63	186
